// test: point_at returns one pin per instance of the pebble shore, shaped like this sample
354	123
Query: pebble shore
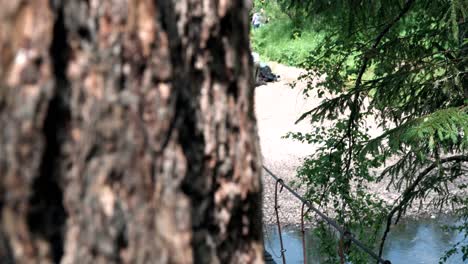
277	107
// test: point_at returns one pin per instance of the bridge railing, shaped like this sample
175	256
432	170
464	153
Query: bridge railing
345	234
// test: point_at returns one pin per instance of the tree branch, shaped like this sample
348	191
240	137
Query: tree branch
409	192
365	63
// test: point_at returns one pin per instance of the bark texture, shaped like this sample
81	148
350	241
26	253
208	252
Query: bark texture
128	133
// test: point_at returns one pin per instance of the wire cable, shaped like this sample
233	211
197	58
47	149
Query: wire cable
330	221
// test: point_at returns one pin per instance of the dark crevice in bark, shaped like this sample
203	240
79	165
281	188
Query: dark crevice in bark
180	86
194	186
169	25
47	215
218	63
234	91
6	256
186	92
84	33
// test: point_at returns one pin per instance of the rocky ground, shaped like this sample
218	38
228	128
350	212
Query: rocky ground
277	107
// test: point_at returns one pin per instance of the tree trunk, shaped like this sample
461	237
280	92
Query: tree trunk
128	133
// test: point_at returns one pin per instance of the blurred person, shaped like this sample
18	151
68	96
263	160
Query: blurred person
258	18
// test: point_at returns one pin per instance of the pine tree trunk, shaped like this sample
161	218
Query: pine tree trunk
128	133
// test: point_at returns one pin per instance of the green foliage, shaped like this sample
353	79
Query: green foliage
282	39
328	185
404	64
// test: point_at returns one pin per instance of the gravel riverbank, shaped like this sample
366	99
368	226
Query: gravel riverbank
277	107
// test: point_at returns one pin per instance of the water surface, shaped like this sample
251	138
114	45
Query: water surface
421	241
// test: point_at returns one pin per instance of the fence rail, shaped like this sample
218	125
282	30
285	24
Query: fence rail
344	233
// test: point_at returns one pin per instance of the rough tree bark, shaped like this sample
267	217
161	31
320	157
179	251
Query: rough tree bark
127	133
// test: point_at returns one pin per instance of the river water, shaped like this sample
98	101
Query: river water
421	241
